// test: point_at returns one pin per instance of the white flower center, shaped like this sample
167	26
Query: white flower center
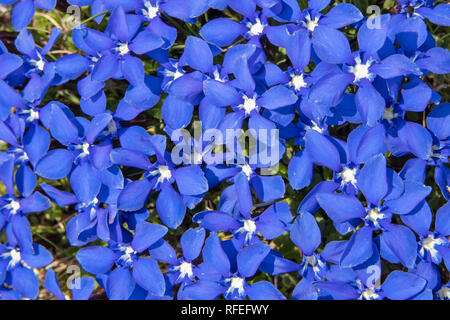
236	283
311	260
347	175
217	76
111	129
298	82
370	294
314	127
163	172
361	70
249	226
39	64
429	242
33	115
127	254
15	257
84	149
13	206
198	158
444	293
249	104
310	24
247	170
433	153
123	48
256	29
389	114
185	269
374	215
150	11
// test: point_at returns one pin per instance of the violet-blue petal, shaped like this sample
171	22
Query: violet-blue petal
147	274
305	233
96	259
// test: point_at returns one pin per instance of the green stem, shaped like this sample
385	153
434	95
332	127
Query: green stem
48	241
91	18
176	24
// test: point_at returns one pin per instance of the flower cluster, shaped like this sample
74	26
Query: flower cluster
360	151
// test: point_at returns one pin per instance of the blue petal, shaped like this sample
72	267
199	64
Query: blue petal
402	243
118	23
71	66
221	94
202	290
394	66
105	68
56	164
414	193
25	282
249	259
264	290
438	14
36	143
61	127
134	196
25	180
120	284
277	97
297	44
96	259
436	60
197	54
170	207
419	219
372	179
443	220
133	70
147	234
321	150
130	158
359	248
136	138
191	180
331	45
401	285
342	15
305	233
246	8
268	188
34	203
243	193
51	284
300	170
370	104
145	42
310	203
329	90
274	264
39	258
84	182
8	63
176	113
45	4
22	14
216	221
416	138
214	255
221	31
146	273
192	242
438	121
87	285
